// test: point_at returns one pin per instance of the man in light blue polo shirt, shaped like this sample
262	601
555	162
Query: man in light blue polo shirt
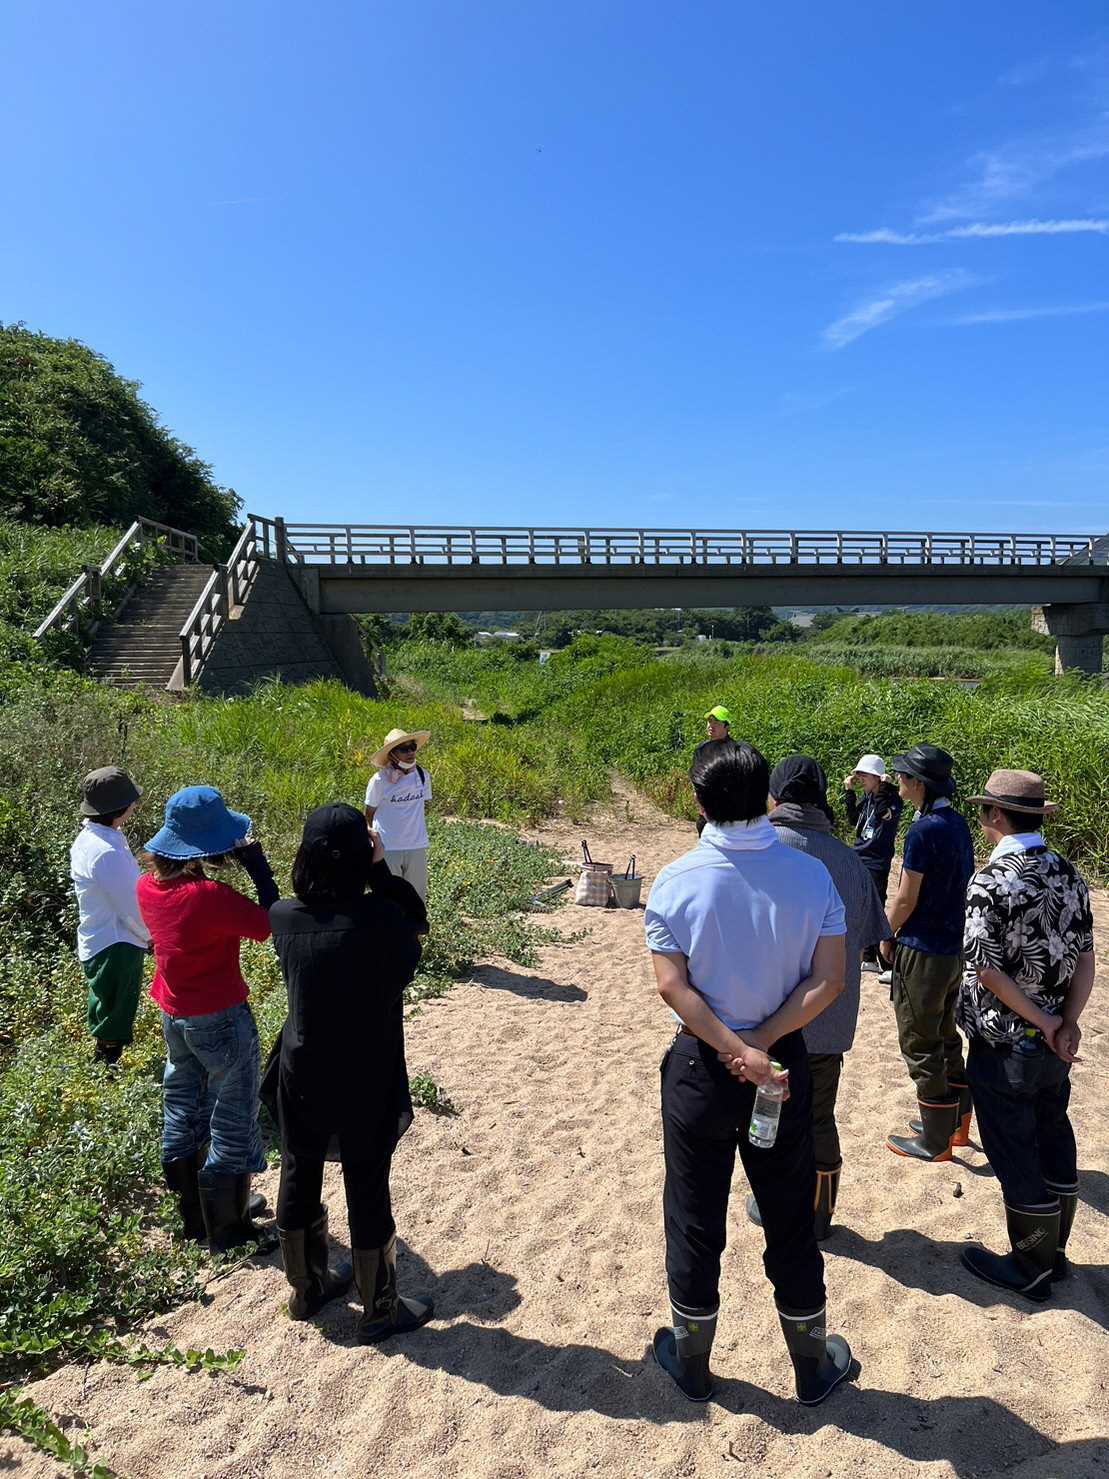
747	942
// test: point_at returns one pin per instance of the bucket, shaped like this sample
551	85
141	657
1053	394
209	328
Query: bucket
627	890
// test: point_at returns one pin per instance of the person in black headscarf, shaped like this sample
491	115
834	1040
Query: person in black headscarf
341	1085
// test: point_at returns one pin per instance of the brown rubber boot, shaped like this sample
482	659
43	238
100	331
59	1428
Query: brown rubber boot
937	1126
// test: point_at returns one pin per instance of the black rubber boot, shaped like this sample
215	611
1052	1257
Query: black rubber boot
961	1136
385	1311
256	1202
107	1053
1029	1268
181	1178
224	1200
933	1143
820	1361
753	1210
827	1190
1068	1201
683	1350
314	1281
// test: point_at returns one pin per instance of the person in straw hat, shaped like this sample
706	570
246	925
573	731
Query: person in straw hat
1029	970
396	803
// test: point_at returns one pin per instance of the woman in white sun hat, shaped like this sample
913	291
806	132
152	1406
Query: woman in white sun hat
875	818
396	800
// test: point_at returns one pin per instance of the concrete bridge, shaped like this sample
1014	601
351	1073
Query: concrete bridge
347	568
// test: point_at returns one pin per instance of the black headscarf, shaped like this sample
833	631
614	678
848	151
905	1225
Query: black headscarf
801	779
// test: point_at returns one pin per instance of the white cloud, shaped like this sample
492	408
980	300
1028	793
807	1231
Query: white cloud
1017	169
978	230
890	304
1017	315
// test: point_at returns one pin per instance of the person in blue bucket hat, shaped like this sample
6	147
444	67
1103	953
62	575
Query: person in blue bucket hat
211	1143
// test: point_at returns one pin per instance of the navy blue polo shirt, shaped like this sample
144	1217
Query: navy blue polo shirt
938	847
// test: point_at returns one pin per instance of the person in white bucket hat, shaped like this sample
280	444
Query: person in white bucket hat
396	803
875	818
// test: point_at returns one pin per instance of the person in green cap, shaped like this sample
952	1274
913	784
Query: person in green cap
719	723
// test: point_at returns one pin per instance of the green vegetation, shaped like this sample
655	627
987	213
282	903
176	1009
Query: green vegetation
980	631
926	662
78	445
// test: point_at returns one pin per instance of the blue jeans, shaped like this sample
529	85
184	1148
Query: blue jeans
210	1090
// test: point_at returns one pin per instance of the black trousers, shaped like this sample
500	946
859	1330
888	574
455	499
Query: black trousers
1021	1102
825	1069
705	1116
366	1183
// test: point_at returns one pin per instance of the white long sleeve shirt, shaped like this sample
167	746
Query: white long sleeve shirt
104	874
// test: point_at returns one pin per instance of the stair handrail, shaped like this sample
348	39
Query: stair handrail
228	587
85	594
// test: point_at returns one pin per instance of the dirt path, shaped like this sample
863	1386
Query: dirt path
534	1217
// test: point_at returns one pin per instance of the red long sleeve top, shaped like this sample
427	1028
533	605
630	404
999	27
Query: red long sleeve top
196	925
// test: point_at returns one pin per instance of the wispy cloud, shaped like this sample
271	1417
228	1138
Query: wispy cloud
1017	315
880	309
1014	170
978	230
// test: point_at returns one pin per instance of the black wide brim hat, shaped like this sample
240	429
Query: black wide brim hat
927	763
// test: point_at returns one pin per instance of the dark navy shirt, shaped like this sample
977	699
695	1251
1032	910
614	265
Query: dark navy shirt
938	846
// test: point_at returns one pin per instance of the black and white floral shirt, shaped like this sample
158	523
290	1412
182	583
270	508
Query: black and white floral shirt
1028	915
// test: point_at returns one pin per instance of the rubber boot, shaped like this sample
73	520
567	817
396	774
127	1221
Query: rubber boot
827	1190
933	1143
1028	1269
820	1361
683	1349
385	1311
314	1281
1068	1201
753	1210
223	1200
181	1178
961	1136
107	1053
256	1202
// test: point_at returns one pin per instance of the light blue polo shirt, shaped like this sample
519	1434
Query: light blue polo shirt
747	921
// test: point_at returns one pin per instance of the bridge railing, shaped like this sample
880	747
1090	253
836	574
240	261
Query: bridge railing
84	601
393	544
228	587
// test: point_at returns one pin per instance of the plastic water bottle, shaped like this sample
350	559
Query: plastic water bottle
767	1111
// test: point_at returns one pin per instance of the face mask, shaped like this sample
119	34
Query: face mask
405	764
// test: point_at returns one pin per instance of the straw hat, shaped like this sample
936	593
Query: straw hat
397	737
1015	790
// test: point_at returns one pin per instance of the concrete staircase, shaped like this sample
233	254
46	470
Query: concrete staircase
140	648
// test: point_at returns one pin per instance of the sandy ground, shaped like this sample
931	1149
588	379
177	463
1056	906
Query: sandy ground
534	1219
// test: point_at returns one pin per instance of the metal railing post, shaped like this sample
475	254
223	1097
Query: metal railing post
281	541
186	660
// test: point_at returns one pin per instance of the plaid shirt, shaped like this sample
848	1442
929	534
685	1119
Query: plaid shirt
1028	915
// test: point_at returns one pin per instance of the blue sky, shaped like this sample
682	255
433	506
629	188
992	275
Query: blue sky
803	265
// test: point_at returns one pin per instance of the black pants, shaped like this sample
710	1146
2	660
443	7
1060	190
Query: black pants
880	872
705	1116
825	1069
1021	1102
367	1188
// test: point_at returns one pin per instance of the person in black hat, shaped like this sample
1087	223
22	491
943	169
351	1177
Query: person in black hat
338	1079
926	956
112	939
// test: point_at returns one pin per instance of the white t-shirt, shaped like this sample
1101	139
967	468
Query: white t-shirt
399	808
104	874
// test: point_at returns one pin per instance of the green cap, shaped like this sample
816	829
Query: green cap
721	713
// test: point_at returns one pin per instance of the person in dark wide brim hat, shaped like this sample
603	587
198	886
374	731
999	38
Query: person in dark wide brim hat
212	1051
348	945
1028	922
112	940
926	956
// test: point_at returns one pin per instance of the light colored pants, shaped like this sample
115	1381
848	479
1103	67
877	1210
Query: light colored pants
410	863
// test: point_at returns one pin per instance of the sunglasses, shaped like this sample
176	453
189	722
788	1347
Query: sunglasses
409	749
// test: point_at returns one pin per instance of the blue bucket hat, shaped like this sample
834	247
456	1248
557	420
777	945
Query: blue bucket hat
198	824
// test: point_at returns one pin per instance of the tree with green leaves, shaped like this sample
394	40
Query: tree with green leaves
78	445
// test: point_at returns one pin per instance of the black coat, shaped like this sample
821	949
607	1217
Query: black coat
338	1068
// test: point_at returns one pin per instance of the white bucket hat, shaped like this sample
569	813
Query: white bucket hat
871	765
397	737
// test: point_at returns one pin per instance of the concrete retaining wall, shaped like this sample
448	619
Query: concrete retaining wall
274	635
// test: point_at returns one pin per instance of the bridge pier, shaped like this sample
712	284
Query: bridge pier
1079	631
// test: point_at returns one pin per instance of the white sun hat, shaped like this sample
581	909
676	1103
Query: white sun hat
870	765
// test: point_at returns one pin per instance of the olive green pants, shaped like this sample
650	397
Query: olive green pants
923	994
114	979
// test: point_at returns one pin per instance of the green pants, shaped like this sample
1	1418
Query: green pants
115	980
923	994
